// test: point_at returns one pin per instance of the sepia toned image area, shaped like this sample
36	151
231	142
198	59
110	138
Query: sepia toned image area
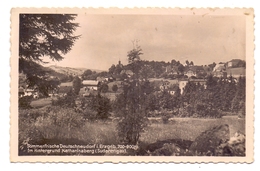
132	85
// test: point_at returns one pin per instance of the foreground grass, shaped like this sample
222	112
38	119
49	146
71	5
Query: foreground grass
64	126
189	128
100	132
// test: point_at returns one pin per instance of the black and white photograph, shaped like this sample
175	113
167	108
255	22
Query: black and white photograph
134	84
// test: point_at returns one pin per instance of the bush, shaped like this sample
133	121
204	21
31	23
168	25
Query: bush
89	115
205	110
48	123
115	88
165	119
185	112
101	105
24	102
28	132
165	116
66	101
59	121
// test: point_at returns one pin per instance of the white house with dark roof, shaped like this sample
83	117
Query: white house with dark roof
90	84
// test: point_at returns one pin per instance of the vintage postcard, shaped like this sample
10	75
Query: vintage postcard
132	85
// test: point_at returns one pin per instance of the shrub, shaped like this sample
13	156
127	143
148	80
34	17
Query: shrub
24	102
66	101
101	105
165	119
89	114
165	116
59	118
205	110
115	88
185	112
28	132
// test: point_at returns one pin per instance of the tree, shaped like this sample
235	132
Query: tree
238	102
101	105
115	88
76	85
212	66
118	69
111	70
187	62
147	72
131	105
123	76
181	68
103	88
134	54
134	57
174	62
44	35
86	74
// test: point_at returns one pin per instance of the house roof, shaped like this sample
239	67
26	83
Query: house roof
90	82
235	61
198	80
194	69
236	71
174	81
67	84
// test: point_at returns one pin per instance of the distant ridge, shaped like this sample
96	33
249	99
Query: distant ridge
70	70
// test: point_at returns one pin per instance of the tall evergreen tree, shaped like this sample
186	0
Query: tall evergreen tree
44	35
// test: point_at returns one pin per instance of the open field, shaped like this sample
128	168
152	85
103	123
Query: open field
189	128
60	127
106	133
41	102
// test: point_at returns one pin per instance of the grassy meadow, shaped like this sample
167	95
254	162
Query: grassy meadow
105	132
188	128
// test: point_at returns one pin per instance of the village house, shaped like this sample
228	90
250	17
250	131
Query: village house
53	92
236	63
219	70
90	84
194	71
190	73
31	92
183	83
236	72
199	81
219	67
102	79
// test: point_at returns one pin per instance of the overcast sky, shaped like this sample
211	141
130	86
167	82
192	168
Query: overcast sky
202	39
